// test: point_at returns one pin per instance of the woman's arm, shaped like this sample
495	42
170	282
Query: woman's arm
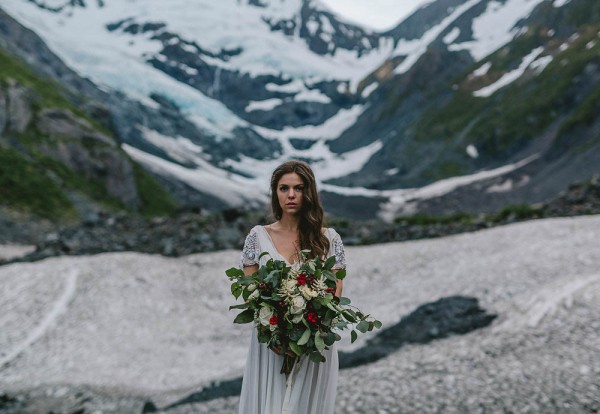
339	285
250	270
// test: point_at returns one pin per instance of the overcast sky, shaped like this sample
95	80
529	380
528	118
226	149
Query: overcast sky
376	14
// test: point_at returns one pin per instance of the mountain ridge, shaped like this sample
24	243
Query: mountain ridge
411	118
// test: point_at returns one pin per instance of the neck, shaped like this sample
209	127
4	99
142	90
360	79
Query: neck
289	223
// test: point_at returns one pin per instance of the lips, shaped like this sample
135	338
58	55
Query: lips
291	204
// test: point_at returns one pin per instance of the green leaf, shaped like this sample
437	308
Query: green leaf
242	306
263	337
344	301
330	339
305	337
319	343
234	272
329	263
245	317
296	335
340	274
295	348
329	276
341	325
377	324
262	255
271	275
316	357
353	336
236	290
349	316
363	326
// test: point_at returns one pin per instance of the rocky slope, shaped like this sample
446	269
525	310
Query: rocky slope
129	332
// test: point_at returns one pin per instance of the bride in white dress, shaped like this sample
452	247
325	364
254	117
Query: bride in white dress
311	387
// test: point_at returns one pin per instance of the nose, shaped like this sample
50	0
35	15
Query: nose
291	193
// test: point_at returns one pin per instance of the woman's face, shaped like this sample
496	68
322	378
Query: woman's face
289	193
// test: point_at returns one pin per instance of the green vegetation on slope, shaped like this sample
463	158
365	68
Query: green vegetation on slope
156	201
501	124
38	183
26	185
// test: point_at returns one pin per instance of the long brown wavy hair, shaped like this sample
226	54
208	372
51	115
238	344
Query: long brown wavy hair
311	212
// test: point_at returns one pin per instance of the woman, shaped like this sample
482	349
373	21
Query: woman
311	387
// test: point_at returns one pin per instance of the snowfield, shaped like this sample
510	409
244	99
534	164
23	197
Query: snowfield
150	327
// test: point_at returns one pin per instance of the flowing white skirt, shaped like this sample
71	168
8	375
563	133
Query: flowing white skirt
310	389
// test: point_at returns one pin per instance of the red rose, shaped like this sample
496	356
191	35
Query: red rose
261	285
330	290
301	279
274	320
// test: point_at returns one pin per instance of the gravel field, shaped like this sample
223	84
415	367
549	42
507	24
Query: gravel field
109	332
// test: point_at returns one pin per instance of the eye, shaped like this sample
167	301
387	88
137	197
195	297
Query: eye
283	188
299	188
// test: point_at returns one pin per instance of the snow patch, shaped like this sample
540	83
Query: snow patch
501	188
265	105
540	64
452	35
511	76
472	151
331	129
560	3
414	49
403	200
312	95
482	70
226	186
59	308
495	27
369	89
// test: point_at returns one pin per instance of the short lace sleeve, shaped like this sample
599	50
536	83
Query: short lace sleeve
250	252
337	247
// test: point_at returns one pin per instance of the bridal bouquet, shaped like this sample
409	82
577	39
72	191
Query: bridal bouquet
294	307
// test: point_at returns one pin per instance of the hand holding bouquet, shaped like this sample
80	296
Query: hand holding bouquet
294	307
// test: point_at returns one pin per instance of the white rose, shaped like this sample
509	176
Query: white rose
298	304
264	315
308	293
251	287
254	295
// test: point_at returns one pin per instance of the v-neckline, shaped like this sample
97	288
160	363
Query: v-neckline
274	247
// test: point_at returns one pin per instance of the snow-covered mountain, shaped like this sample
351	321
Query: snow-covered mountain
233	88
